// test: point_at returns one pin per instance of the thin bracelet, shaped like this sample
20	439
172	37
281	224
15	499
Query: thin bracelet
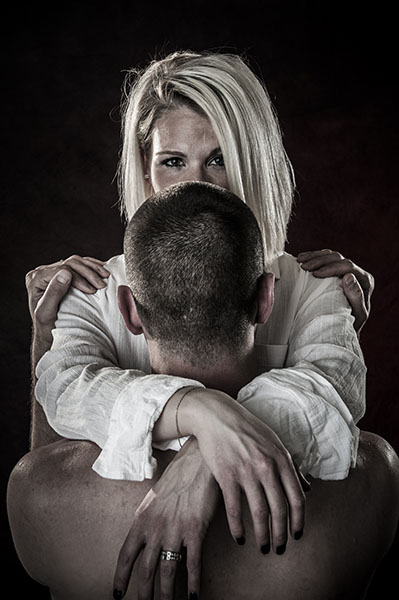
179	435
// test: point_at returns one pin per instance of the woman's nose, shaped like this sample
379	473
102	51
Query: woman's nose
196	173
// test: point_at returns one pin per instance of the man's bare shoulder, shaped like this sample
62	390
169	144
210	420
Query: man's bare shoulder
378	458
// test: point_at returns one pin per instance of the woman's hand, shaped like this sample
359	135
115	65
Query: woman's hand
245	455
176	512
358	284
48	284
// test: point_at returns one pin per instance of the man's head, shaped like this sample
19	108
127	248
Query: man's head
194	264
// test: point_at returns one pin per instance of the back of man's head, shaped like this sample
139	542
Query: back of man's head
193	257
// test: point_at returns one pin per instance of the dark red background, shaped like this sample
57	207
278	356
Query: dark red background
331	70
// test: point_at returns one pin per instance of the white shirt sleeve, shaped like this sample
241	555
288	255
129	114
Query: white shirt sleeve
87	395
314	402
88	390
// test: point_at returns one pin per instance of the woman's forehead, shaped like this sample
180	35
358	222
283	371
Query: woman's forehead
181	128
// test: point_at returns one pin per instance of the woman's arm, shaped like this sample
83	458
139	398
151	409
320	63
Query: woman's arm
87	395
314	402
178	510
87	390
46	286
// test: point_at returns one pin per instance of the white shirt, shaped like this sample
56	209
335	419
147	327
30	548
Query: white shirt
96	383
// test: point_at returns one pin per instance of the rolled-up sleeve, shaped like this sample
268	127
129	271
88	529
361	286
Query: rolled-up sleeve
314	403
86	394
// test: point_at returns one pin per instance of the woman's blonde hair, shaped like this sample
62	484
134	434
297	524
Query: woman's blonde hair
237	104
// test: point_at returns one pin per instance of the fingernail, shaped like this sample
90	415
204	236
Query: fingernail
193	596
280	549
64	276
265	549
117	595
240	541
350	280
298	534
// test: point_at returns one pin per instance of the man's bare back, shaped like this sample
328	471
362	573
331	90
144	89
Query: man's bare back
69	525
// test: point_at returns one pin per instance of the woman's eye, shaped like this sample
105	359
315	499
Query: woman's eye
216	161
174	161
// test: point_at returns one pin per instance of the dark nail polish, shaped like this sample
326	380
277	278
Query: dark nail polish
280	549
298	534
193	596
240	541
117	595
265	549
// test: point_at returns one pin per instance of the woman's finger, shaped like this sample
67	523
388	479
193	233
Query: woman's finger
81	284
355	296
87	270
296	499
95	260
277	502
260	516
148	565
325	261
328	263
127	557
167	572
194	549
47	307
96	264
232	502
304	256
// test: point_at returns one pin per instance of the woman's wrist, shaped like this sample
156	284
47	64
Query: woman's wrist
188	412
198	408
169	424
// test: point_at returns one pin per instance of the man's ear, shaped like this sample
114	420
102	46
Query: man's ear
128	308
265	297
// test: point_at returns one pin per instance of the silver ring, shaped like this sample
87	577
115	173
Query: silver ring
170	555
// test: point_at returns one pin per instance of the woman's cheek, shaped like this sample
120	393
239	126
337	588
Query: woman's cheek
160	181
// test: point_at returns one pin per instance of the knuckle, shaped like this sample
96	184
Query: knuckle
146	572
197	528
167	570
280	513
371	282
124	558
261	513
349	263
299	501
72	257
282	459
193	566
267	467
233	511
338	255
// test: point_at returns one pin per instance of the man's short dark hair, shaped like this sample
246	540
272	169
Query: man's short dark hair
193	255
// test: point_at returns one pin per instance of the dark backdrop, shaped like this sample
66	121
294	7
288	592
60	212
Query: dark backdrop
330	68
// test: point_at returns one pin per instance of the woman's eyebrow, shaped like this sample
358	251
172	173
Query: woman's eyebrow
174	152
177	153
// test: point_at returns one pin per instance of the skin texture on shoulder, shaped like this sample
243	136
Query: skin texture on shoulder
350	527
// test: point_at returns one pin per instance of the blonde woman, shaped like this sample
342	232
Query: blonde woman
206	117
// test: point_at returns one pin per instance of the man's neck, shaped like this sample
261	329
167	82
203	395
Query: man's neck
228	374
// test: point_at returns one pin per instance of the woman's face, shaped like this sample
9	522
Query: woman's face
184	148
